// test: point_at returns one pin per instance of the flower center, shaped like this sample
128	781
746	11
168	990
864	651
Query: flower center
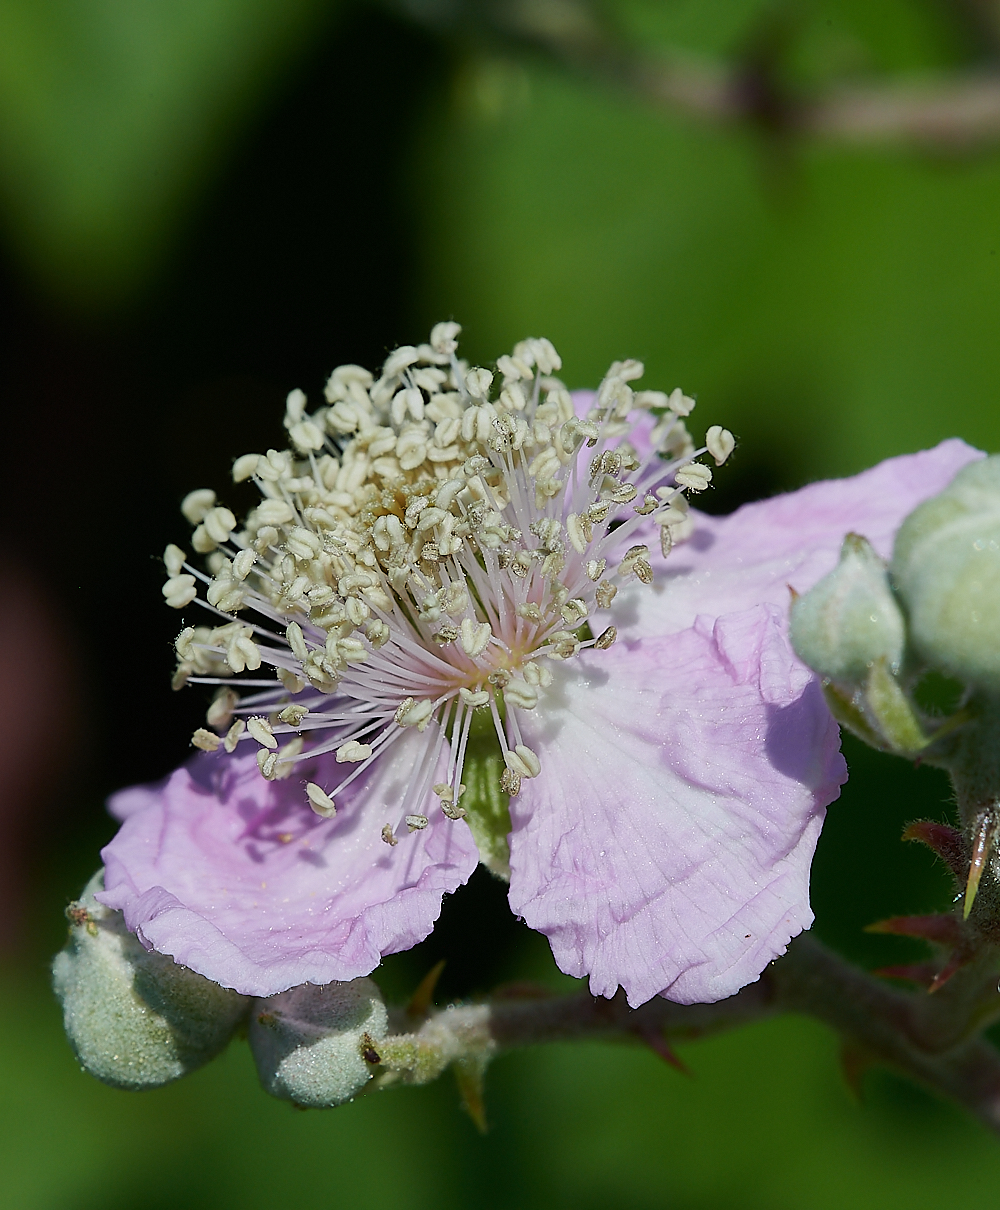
423	552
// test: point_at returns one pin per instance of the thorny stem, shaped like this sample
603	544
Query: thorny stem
904	1031
941	111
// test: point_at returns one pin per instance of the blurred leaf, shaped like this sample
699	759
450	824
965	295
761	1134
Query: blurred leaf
114	112
831	307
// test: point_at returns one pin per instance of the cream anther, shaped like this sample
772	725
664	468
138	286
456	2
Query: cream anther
218	523
474	698
416	823
260	730
207	741
537	674
196	504
444	337
243	564
520	694
395	363
388	836
575	529
679	403
352	752
173	560
180	591
296	642
245	467
478	382
411	713
234	734
242	652
720	442
474	637
320	801
220	712
695	477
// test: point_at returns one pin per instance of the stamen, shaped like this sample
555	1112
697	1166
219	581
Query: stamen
417	550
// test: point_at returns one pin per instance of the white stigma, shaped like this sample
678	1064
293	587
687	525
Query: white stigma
419	553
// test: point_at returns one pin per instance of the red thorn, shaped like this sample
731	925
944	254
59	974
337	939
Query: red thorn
658	1043
469	1077
421	999
921	973
948	843
942	929
955	962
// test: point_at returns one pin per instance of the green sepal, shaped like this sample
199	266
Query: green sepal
848	715
889	706
487	808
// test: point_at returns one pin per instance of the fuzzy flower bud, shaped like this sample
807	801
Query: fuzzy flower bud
850	619
136	1019
946	565
309	1042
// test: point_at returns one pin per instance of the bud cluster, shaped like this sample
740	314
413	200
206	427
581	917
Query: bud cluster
874	630
136	1019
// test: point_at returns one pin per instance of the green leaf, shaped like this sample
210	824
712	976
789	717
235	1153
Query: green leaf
114	114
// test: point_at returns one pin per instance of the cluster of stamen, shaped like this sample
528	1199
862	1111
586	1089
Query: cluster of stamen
421	552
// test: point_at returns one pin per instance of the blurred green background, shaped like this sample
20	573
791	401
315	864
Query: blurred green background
207	202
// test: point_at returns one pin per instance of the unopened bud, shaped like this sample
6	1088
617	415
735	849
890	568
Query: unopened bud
135	1018
313	1045
850	619
946	565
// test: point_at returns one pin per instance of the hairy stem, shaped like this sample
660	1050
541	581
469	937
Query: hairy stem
891	1027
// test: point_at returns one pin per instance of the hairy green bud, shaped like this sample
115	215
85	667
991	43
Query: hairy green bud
849	620
314	1044
135	1018
946	566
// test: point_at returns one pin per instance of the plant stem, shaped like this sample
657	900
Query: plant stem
891	1027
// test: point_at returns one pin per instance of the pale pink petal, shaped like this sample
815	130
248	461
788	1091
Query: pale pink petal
239	880
759	552
642	421
136	798
665	845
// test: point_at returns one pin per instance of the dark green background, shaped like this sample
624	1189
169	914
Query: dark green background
208	202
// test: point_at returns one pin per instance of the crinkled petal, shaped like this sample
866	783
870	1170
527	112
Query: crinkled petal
239	880
759	552
665	845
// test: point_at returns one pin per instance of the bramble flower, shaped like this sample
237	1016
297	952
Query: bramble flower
424	607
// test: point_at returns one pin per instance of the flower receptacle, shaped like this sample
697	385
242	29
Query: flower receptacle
316	1045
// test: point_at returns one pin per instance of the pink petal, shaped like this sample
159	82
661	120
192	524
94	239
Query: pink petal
239	880
665	845
762	550
643	423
